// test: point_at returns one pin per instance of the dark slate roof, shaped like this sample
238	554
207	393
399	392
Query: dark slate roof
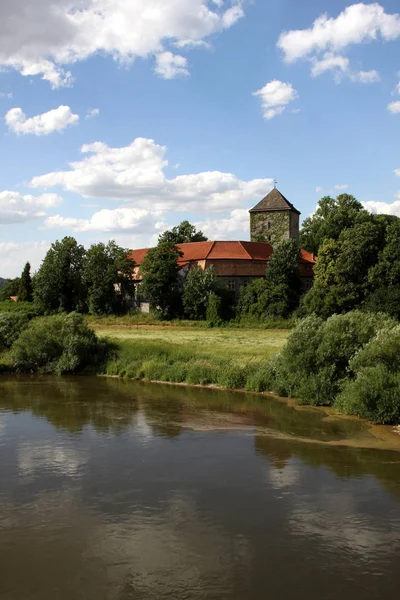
274	201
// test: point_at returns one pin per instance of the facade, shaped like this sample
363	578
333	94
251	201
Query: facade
238	263
274	219
235	263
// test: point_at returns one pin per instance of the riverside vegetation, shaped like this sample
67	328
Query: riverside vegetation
343	350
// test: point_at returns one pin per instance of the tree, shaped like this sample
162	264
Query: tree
59	284
343	269
161	285
330	219
25	291
200	284
108	276
9	288
278	294
182	234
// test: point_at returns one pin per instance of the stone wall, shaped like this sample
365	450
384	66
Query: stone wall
271	227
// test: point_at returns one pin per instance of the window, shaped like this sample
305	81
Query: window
269	224
231	285
308	267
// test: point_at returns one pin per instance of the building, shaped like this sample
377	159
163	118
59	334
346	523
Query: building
238	263
274	219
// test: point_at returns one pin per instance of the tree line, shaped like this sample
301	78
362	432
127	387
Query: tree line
358	267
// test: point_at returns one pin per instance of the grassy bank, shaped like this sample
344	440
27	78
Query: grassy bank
233	359
135	319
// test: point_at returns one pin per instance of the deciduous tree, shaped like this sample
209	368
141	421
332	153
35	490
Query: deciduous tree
161	284
330	219
200	284
182	234
59	284
108	276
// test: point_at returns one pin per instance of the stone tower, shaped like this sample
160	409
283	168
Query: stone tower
274	219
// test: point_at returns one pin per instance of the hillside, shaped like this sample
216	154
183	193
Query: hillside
2	281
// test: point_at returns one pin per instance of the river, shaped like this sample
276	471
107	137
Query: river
113	490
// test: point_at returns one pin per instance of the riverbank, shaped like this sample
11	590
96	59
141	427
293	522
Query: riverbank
232	359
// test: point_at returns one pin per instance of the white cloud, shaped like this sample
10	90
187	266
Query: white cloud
394	107
319	189
44	124
365	76
170	65
13	256
275	96
15	208
235	227
342	186
340	65
120	219
327	39
383	208
135	175
397	172
7	95
46	37
92	112
328	62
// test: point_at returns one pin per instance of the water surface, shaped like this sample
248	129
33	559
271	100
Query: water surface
117	491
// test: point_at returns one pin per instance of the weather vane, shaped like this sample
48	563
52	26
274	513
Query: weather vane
275	183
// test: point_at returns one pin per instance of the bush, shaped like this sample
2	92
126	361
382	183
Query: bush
57	344
11	326
316	360
374	395
214	310
27	308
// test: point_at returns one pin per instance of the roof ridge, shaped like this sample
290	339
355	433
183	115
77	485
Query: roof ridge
248	253
212	246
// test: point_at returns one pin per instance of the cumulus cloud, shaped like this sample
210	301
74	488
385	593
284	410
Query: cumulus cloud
275	96
135	174
44	124
170	65
119	219
92	112
394	107
340	66
234	227
16	208
46	37
383	208
327	39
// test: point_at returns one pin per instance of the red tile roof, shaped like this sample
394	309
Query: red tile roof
197	251
307	257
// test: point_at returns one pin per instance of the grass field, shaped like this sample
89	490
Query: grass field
240	345
229	358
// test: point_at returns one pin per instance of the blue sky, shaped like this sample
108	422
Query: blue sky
122	118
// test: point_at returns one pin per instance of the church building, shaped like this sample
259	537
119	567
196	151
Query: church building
238	263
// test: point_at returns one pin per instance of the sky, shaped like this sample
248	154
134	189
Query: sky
121	118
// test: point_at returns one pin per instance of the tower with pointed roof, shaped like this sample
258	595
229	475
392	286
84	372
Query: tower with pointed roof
274	219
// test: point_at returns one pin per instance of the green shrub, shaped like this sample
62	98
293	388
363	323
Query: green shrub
27	308
316	360
214	310
374	395
383	349
57	344
11	326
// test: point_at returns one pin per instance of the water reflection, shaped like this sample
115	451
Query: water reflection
113	490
